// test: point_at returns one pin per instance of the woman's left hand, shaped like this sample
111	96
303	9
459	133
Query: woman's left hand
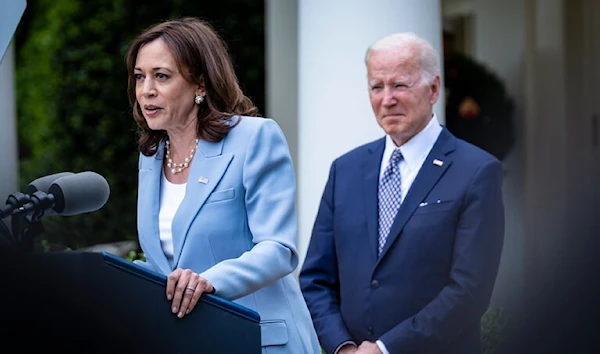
185	287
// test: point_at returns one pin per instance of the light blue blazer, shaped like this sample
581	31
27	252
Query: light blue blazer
237	227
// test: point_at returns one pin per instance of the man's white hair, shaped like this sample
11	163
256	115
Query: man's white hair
428	56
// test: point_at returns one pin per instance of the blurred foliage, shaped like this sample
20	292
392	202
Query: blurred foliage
72	107
494	330
133	255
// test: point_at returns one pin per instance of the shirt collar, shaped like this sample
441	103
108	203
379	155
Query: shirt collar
415	150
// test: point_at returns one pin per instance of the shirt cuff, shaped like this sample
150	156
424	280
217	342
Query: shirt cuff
382	347
344	343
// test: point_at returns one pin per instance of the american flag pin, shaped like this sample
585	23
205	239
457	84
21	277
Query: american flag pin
438	162
203	180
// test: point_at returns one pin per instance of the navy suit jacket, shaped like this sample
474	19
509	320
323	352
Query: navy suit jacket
427	291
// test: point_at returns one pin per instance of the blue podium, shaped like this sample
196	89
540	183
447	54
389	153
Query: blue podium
98	302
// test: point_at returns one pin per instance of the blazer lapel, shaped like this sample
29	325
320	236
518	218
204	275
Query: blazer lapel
372	166
148	206
427	177
206	170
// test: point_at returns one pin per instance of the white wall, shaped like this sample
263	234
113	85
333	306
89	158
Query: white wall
499	43
583	109
498	33
561	173
8	128
281	81
546	144
10	15
457	7
547	53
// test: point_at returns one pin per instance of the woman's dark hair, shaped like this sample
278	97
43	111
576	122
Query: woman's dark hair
200	53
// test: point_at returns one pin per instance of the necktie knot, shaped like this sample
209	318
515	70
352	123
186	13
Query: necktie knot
396	157
393	165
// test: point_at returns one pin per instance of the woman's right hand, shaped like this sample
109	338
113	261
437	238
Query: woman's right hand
184	288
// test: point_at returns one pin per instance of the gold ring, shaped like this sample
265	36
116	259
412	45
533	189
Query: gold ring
189	288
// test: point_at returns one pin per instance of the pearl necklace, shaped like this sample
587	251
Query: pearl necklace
178	167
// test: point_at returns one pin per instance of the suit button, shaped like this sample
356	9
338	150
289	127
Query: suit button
375	284
370	329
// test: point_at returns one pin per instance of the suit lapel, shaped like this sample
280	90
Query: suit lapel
428	176
371	167
148	208
206	170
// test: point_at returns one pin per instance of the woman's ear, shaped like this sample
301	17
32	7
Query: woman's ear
201	89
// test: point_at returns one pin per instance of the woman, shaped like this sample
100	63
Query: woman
216	196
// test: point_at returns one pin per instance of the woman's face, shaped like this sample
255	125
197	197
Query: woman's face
165	97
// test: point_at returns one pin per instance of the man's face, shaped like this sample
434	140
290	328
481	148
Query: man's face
402	101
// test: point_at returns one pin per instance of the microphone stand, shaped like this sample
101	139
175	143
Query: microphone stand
8	243
13	201
31	226
24	230
27	232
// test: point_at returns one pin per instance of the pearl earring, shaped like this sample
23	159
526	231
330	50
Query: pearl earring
199	99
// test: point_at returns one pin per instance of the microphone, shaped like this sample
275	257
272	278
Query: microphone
19	199
43	183
73	194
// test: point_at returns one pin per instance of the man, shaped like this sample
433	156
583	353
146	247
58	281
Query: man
407	241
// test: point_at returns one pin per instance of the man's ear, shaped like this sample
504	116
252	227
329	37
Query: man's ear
435	89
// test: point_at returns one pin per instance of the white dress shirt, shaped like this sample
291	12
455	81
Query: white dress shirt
171	196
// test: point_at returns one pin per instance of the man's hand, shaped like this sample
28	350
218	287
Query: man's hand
368	348
348	349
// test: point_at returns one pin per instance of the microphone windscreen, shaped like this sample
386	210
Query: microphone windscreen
79	193
43	183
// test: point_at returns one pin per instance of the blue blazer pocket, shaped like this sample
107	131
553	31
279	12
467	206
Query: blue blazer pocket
221	195
433	206
273	332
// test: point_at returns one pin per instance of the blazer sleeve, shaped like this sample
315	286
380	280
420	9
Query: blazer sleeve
477	249
319	275
270	198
